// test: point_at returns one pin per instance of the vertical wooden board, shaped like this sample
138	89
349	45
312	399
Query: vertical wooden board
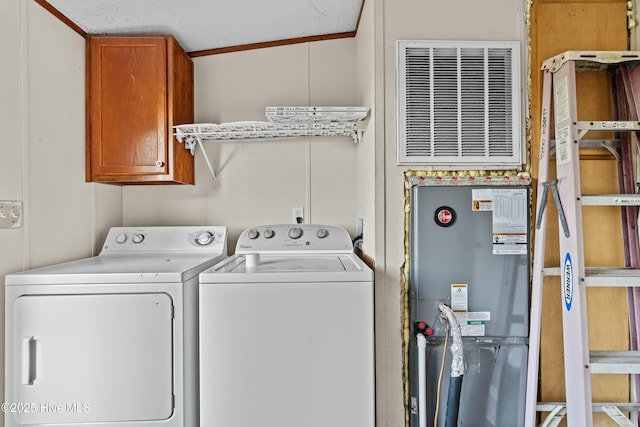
603	245
551	355
558	26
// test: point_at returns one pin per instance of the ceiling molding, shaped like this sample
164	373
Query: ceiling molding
272	44
55	12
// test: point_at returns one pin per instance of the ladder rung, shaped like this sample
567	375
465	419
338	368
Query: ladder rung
597	406
605	276
610	200
609	126
615	362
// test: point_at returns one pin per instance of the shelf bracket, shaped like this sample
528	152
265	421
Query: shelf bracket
206	159
356	135
190	142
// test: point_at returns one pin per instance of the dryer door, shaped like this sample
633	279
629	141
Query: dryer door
93	358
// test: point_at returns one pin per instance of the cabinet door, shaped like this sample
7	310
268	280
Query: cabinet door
128	107
92	358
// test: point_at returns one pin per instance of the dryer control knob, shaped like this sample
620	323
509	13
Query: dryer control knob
322	233
295	232
268	233
138	238
253	234
205	238
121	238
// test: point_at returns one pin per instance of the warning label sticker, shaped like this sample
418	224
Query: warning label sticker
459	297
563	146
481	200
561	102
473	323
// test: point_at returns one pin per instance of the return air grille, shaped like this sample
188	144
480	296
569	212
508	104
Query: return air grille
459	103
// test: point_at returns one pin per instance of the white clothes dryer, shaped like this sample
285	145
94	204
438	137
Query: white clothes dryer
286	332
110	340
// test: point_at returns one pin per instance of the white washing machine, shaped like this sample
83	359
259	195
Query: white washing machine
286	332
110	340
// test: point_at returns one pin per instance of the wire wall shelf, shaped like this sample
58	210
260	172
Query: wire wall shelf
257	131
284	123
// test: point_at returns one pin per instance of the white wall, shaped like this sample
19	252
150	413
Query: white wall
11	170
261	182
11	106
371	204
366	154
67	217
43	140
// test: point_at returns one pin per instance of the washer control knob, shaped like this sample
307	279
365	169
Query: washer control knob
121	238
253	234
268	233
205	238
322	233
137	238
295	232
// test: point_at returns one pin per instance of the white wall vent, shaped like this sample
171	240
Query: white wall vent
459	104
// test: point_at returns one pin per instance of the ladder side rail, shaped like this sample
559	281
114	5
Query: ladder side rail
535	317
627	89
631	73
575	330
625	108
621	112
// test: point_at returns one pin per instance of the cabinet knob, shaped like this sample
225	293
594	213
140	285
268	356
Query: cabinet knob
159	163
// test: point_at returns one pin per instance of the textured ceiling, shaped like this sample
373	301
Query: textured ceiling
201	25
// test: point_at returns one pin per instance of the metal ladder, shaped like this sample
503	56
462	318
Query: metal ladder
559	86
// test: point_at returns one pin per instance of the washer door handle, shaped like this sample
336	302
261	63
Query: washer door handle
29	347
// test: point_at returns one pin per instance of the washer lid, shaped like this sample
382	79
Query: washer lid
288	268
159	267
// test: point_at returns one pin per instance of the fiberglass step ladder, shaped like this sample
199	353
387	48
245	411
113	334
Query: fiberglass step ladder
559	84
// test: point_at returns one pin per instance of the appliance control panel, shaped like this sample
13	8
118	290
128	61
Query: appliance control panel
175	239
294	238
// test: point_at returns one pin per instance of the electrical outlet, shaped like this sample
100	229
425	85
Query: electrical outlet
10	214
298	215
359	223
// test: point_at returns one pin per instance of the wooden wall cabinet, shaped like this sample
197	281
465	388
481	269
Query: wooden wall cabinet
138	88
